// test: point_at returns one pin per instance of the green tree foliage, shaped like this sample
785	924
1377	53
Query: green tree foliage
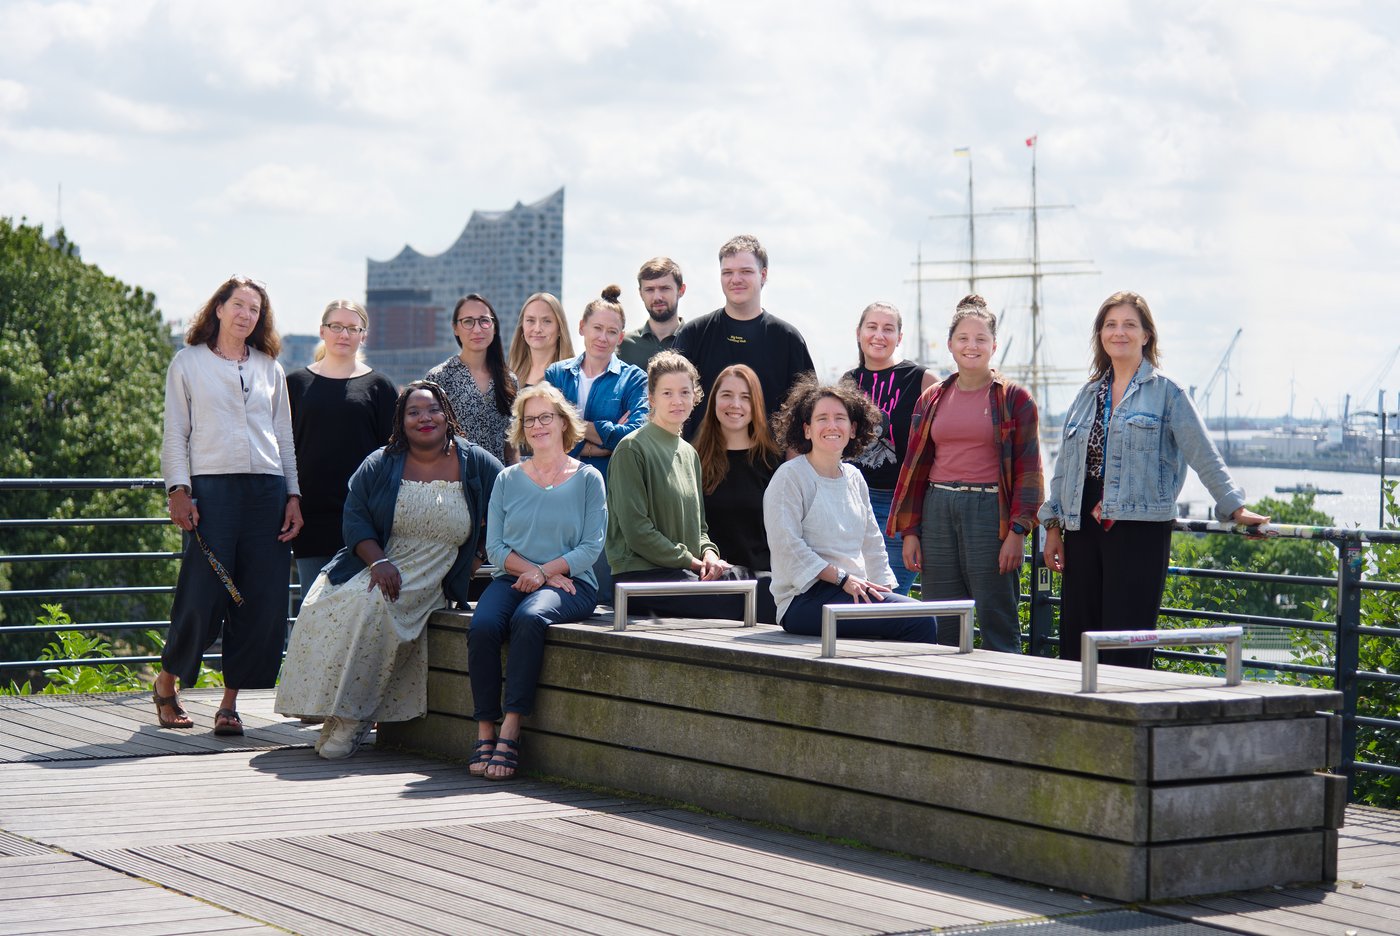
81	395
1377	654
1274	556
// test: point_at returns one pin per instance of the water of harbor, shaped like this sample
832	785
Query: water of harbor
1357	505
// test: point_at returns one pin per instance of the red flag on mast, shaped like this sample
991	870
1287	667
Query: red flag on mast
1030	140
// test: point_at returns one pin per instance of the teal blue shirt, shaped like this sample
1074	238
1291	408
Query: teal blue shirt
541	525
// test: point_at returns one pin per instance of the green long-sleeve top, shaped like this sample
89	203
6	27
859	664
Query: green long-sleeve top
656	519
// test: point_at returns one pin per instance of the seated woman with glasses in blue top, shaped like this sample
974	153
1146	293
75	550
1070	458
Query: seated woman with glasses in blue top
544	532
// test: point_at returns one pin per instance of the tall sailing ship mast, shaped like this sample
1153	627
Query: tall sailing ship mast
1035	373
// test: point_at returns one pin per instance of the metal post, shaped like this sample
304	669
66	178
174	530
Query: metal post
1348	652
1090	642
1042	613
832	613
1380	408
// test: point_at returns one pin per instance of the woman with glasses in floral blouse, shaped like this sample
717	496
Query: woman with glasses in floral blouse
477	382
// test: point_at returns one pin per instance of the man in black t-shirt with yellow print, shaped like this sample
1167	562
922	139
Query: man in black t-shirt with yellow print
743	332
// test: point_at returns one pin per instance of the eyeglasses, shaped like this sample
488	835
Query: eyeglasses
485	323
544	419
241	280
339	329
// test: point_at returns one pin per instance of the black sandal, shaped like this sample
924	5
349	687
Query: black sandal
482	750
181	719
510	758
232	725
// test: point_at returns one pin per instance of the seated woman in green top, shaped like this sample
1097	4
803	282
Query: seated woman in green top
656	519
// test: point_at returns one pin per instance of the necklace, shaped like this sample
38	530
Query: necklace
234	360
555	474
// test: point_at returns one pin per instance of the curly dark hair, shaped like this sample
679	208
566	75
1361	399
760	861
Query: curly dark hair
796	413
398	438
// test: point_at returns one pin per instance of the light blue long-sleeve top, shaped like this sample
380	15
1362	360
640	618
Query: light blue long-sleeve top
542	524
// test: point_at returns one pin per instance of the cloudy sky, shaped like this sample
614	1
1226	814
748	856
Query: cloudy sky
1237	163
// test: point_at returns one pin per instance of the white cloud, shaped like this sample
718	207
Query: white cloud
141	116
14	96
1228	161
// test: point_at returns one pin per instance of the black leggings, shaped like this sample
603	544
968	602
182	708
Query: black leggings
1113	580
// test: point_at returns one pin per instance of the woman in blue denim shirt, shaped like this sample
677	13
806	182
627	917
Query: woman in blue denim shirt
610	394
1128	437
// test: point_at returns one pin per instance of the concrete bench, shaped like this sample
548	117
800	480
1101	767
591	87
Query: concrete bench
1158	785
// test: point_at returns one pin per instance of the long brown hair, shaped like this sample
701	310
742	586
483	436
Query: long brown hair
503	389
709	441
204	329
1103	365
520	349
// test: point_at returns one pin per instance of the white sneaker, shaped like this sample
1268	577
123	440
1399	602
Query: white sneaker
341	737
327	728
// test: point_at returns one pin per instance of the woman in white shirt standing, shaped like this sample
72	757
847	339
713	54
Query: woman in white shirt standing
230	470
826	545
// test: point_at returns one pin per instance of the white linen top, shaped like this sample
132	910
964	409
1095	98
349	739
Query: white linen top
814	522
223	417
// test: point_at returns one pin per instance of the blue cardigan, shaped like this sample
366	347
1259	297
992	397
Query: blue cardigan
374	492
621	389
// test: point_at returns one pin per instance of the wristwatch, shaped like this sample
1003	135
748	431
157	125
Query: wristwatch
1018	529
841	576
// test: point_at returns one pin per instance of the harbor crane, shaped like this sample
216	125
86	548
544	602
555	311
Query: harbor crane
1222	372
1381	374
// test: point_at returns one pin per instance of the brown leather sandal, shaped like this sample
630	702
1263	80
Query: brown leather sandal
181	719
231	724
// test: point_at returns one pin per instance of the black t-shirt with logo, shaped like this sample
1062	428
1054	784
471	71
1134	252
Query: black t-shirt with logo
894	390
774	349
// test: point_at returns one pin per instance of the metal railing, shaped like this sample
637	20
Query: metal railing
1346	630
56	594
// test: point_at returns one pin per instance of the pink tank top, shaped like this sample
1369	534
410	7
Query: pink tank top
964	440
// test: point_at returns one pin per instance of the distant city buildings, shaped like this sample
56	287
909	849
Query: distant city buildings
503	255
297	351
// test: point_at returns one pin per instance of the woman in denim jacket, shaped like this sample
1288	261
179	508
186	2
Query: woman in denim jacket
1128	437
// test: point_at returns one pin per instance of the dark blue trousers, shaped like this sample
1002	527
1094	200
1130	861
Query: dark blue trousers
240	517
719	607
505	615
804	616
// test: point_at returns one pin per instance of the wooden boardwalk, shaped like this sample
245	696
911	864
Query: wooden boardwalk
110	825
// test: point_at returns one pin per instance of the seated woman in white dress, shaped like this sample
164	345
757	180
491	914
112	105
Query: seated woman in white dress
415	514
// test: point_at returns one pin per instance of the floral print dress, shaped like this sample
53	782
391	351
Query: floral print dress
354	653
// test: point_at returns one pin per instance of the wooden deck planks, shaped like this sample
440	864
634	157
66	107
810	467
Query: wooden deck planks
517	898
61	894
826	865
241	795
637	881
286	838
113	725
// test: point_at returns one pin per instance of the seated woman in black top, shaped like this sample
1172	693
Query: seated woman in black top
737	460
